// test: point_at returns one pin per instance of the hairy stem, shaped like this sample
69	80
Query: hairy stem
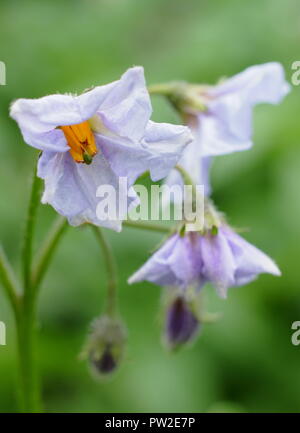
27	335
29	228
26	323
110	264
165	89
26	320
187	180
9	282
143	225
47	250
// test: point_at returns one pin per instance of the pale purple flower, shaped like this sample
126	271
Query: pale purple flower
93	139
225	125
225	259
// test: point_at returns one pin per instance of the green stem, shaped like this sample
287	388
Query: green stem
110	264
165	89
185	97
47	250
26	325
160	228
24	304
9	282
187	180
27	336
28	234
26	320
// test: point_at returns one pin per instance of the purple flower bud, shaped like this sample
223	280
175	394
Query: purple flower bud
107	363
181	323
106	345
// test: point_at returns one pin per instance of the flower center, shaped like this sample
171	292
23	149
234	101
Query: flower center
81	140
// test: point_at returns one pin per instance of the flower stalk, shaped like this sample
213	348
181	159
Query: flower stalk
144	225
47	250
9	282
27	337
26	304
112	301
26	321
29	228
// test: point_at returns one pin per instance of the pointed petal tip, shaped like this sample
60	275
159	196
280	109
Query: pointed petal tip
274	270
135	71
132	279
14	108
270	267
138	69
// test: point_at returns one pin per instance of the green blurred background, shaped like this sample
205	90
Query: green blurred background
246	361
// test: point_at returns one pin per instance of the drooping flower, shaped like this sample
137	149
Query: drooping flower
94	139
220	116
225	125
224	258
105	345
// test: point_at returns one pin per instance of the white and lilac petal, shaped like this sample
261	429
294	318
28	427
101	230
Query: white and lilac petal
124	104
222	133
196	164
159	151
127	108
89	102
62	187
218	262
201	171
71	188
174	264
205	168
52	141
227	125
164	144
173	179
256	84
44	114
156	269
250	261
39	119
185	261
48	162
125	158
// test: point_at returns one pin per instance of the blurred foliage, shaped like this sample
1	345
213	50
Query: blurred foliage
246	361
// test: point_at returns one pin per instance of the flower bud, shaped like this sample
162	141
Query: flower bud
187	99
182	324
105	345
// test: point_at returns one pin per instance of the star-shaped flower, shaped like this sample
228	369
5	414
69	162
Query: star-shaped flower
225	259
220	116
94	139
